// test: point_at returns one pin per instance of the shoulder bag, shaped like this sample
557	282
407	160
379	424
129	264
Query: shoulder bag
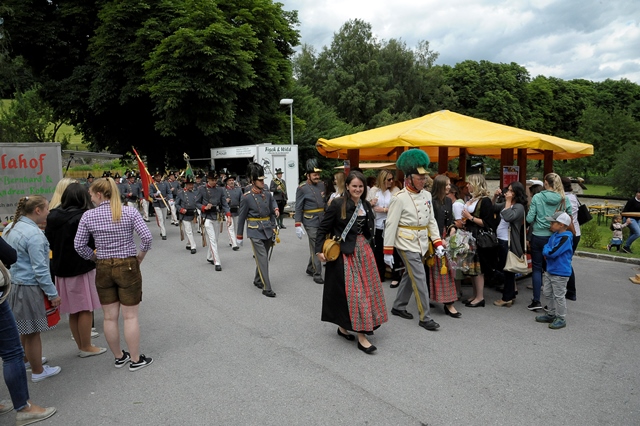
516	264
486	236
584	215
5	282
331	246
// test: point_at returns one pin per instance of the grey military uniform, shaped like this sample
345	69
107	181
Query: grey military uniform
310	207
216	197
258	211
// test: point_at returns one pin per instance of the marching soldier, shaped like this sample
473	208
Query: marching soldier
222	177
233	194
161	197
174	186
144	201
260	211
131	191
89	181
213	206
279	189
409	226
309	211
186	206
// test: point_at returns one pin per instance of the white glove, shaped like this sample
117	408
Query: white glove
158	193
299	232
388	259
171	202
440	251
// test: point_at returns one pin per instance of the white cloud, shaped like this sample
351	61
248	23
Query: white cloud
593	39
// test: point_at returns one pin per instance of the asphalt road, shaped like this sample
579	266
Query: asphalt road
226	355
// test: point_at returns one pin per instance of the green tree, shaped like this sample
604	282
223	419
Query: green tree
162	74
30	119
625	173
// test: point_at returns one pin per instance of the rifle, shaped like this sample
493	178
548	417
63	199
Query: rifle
181	231
203	232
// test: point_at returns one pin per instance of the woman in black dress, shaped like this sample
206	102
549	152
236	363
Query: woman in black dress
353	298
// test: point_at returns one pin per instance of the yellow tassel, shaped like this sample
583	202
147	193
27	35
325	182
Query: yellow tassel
443	270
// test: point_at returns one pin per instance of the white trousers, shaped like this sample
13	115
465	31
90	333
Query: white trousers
161	213
187	226
144	204
211	227
172	206
231	230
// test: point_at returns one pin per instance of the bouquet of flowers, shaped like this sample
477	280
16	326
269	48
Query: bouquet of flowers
461	247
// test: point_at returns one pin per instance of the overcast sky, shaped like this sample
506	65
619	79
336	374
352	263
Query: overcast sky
590	39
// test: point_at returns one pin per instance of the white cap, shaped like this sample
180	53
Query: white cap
561	217
531	182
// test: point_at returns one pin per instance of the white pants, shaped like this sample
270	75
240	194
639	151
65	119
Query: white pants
132	204
212	229
188	230
172	206
231	230
161	212
144	204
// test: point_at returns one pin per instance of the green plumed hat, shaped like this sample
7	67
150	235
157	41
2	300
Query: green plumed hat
413	161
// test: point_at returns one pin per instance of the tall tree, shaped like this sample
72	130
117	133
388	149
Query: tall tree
160	74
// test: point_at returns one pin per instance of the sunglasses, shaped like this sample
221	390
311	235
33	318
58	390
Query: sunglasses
390	180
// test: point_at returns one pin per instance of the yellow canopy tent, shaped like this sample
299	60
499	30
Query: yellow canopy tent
446	129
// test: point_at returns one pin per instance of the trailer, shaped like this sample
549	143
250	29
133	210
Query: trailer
27	169
271	157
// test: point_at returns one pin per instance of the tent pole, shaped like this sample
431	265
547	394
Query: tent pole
522	163
462	164
548	161
506	159
354	158
443	160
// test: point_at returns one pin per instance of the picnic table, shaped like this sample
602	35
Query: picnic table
602	210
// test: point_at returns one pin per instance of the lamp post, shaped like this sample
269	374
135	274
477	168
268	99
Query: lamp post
290	103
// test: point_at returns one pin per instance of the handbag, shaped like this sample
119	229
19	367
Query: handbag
485	237
331	246
514	263
5	282
584	215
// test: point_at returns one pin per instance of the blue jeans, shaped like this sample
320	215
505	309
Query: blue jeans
15	375
635	232
538	264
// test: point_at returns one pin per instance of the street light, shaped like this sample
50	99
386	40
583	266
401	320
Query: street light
290	103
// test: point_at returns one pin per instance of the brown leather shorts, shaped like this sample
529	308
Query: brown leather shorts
119	280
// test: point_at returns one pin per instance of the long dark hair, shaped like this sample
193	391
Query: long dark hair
439	188
520	194
353	175
76	196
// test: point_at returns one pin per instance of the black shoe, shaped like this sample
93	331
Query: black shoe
430	325
392	285
371	349
143	361
349	337
146	220
188	247
534	306
269	293
626	249
479	304
193	251
236	248
283	227
571	296
210	261
451	314
121	362
218	268
401	313
164	237
310	273
318	280
259	285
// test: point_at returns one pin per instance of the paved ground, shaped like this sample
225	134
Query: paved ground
226	355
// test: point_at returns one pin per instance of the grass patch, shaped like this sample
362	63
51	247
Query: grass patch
605	237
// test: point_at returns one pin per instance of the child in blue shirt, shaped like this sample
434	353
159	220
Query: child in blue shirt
558	253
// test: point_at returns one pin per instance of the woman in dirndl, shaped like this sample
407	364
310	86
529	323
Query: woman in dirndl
353	298
442	286
31	280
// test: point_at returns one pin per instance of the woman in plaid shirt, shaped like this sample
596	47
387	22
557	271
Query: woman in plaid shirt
118	277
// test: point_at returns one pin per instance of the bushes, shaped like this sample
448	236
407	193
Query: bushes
590	235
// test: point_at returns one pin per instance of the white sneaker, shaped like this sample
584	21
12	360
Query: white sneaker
47	372
27	365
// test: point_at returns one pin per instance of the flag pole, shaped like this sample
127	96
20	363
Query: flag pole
141	164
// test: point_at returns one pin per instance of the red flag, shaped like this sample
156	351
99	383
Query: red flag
144	176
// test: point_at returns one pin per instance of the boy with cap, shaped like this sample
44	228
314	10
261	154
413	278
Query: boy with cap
558	253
